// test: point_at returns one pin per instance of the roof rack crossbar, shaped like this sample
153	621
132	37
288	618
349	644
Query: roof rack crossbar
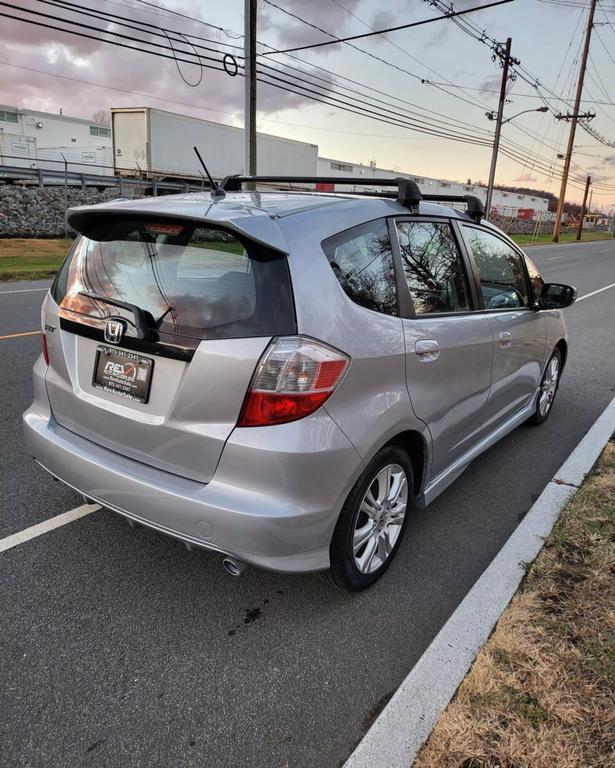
408	192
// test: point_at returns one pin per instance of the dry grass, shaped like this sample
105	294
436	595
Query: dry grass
541	693
31	258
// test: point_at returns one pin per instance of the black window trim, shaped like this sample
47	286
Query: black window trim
476	275
407	310
330	242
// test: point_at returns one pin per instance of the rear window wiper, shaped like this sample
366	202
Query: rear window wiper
144	322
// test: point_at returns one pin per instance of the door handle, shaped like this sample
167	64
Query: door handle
427	350
505	339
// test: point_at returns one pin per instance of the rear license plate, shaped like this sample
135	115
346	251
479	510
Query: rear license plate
123	373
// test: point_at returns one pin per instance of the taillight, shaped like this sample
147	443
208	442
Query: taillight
293	378
44	346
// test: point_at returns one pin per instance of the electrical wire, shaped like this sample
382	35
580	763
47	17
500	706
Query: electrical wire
448	15
292	90
444	124
101	15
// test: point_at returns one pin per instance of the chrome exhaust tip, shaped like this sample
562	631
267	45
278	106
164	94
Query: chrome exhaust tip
234	567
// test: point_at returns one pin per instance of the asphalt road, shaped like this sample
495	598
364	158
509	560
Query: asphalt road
122	648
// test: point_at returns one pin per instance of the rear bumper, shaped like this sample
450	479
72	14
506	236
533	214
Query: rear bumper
273	501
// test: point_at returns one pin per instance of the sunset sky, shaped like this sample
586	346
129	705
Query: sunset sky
434	75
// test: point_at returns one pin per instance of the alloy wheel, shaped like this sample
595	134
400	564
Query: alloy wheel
548	387
380	518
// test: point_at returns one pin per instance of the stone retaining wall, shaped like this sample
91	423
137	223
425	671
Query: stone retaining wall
35	212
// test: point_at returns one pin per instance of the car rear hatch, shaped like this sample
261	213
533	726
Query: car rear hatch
155	328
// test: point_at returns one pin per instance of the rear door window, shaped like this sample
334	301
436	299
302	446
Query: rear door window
192	280
433	267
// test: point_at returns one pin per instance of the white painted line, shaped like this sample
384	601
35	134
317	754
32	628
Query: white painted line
26	290
593	293
404	725
47	525
552	258
563	245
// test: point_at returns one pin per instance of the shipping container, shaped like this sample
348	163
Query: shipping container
158	144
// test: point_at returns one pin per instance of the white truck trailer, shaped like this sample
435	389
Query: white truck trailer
159	145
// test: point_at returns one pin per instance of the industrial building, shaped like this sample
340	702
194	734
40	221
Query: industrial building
32	139
508	204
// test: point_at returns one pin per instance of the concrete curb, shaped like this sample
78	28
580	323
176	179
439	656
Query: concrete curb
404	725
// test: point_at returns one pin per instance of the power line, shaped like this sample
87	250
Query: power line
294	90
481	36
116	89
292	87
375	57
389	29
165	33
446	127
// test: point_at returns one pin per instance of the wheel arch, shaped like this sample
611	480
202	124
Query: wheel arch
562	345
415	445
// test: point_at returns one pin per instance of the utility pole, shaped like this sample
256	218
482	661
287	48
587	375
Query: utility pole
498	128
580	228
573	123
250	87
65	195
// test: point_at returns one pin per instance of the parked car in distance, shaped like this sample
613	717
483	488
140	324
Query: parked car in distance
283	376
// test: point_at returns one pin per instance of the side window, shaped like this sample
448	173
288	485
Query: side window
433	267
362	261
500	269
536	280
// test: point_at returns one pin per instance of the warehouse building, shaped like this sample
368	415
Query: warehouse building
32	139
507	204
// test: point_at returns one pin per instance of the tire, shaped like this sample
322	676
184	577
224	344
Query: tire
372	522
548	389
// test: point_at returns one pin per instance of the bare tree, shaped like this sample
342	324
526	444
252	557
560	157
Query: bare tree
102	117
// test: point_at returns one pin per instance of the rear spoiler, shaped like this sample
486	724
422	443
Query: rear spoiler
260	229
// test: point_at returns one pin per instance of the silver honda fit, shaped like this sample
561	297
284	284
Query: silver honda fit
281	377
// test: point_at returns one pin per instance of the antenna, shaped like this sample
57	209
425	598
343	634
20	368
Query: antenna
216	191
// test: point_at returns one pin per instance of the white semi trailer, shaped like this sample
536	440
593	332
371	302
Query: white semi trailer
159	145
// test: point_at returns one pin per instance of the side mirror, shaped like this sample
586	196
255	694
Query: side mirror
557	296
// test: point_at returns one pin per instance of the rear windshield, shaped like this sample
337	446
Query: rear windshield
193	281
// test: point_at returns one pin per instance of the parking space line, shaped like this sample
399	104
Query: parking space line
593	293
47	525
26	290
17	335
552	258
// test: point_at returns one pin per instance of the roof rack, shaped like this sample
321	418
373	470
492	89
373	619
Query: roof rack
408	192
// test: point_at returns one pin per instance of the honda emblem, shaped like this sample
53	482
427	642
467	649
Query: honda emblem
114	330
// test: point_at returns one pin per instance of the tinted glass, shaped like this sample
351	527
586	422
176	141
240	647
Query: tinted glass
362	261
500	268
433	268
191	280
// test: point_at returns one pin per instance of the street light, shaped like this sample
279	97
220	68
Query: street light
493	115
496	146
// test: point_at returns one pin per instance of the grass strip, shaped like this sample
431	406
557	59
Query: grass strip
565	237
31	258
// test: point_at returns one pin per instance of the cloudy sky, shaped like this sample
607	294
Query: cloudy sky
381	99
